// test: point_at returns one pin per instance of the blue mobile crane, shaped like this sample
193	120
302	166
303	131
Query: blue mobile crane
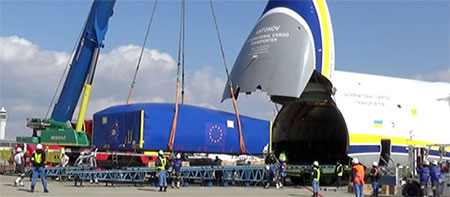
58	129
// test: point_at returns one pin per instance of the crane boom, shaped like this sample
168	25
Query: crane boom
58	129
90	41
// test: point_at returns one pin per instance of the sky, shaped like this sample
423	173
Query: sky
407	39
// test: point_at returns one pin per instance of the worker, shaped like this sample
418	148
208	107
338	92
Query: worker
315	173
92	162
38	167
63	162
375	175
271	159
338	172
64	159
19	163
271	175
160	164
81	160
435	178
218	174
176	175
282	166
424	174
358	177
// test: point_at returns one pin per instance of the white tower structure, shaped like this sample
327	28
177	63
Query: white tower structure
3	117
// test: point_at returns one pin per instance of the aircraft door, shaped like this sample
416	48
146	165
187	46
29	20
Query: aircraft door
385	154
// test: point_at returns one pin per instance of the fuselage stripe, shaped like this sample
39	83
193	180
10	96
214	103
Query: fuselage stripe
361	149
324	25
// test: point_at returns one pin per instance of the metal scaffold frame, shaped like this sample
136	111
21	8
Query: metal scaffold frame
62	171
235	175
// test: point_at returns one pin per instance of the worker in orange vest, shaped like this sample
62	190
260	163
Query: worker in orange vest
375	175
358	177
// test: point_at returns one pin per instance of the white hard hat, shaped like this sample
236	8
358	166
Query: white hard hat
316	163
82	153
160	152
434	162
426	162
375	164
19	150
355	160
39	146
178	156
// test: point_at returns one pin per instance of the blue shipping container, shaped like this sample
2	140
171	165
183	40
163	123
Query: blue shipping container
147	126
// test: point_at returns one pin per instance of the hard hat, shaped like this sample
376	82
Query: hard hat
82	153
160	152
19	150
434	162
426	162
178	156
316	163
355	160
267	167
375	164
39	146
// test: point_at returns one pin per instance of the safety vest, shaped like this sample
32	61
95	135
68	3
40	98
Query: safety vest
359	174
163	163
317	170
37	158
340	170
375	171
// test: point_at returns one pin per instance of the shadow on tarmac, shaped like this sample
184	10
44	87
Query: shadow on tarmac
147	190
24	190
298	195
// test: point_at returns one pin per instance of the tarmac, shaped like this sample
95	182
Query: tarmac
68	188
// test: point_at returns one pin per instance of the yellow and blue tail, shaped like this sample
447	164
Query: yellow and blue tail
315	13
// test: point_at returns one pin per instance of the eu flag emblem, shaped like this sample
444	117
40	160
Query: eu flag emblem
215	134
115	130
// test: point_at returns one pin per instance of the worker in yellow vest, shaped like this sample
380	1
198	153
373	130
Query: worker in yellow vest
315	174
160	165
38	167
338	171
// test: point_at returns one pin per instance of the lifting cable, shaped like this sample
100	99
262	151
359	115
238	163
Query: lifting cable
180	48
230	84
142	52
182	55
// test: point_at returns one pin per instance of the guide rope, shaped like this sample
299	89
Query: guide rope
180	49
230	84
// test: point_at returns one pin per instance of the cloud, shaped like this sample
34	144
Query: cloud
203	89
23	108
29	77
437	76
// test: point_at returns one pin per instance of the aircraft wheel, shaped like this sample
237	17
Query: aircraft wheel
412	189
